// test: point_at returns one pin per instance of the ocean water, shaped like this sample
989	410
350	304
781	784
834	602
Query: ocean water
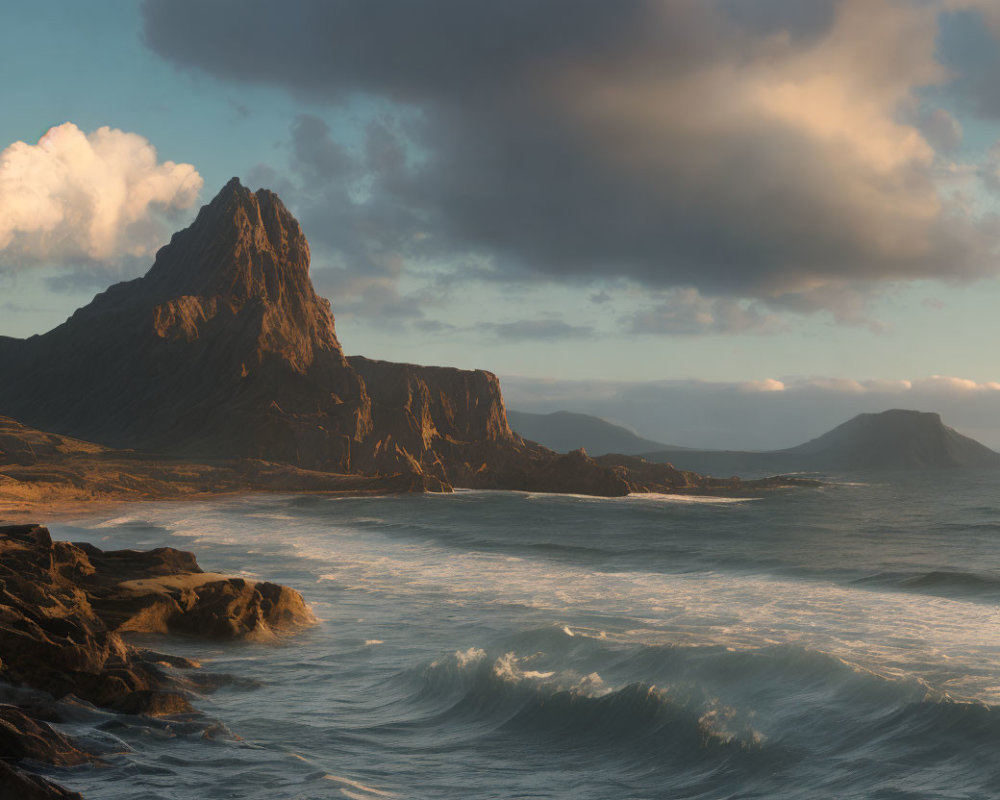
841	642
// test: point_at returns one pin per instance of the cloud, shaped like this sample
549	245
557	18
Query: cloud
766	385
940	129
686	312
944	384
746	150
87	197
548	330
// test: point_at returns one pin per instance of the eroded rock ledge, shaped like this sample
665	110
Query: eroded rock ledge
63	607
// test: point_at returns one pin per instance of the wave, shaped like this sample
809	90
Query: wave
947	583
686	719
507	697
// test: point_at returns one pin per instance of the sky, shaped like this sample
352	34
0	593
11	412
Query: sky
682	215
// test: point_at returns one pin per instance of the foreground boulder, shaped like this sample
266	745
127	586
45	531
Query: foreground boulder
63	607
165	591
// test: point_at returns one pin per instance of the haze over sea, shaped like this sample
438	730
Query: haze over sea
839	642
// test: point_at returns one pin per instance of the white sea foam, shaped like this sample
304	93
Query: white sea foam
115	522
688	498
508	667
947	642
368	791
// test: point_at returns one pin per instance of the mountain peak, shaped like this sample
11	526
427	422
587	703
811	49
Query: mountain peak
242	264
242	245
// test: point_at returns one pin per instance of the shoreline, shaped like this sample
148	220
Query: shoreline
25	510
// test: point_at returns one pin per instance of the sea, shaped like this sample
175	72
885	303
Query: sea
832	642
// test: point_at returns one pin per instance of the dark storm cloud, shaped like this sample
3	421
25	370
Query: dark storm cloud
968	46
743	149
409	51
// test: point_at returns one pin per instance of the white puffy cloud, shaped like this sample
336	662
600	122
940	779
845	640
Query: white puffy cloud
92	197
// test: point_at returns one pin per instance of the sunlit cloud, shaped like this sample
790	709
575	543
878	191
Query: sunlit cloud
87	197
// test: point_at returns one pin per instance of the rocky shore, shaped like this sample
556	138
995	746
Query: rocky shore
63	609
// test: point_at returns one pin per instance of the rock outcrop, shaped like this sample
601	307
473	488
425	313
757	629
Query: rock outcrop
63	608
223	350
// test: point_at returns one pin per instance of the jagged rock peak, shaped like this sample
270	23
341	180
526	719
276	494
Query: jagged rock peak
242	245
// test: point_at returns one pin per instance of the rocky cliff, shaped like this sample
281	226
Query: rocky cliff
224	350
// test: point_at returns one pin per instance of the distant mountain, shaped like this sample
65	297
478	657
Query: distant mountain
897	439
564	431
894	439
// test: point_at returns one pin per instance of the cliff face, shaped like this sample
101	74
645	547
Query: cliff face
422	415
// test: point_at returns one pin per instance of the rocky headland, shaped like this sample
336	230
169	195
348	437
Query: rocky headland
64	608
223	362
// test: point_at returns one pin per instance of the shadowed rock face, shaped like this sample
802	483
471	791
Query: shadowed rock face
223	350
16	784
